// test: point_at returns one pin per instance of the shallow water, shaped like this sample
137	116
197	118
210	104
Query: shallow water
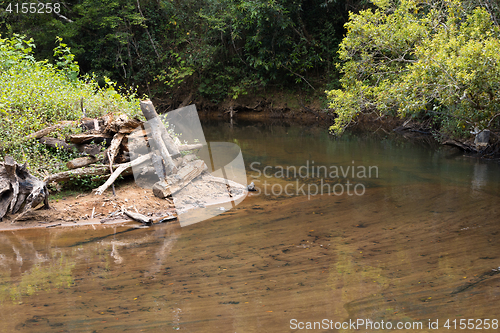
420	244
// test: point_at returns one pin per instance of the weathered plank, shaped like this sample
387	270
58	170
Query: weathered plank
175	183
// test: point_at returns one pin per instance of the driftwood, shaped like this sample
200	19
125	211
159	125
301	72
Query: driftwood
58	144
460	145
46	131
129	126
139	217
173	184
81	162
190	147
123	136
115	146
68	175
119	170
167	218
88	137
19	190
149	112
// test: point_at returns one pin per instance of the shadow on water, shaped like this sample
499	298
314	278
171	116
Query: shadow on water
418	245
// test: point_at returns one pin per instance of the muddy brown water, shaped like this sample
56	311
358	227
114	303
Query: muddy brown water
420	245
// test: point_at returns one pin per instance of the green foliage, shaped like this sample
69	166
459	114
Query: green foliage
65	60
220	48
411	58
36	94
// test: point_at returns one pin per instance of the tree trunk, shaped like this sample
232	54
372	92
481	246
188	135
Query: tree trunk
156	128
19	190
149	112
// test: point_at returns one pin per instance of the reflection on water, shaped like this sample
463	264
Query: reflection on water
420	244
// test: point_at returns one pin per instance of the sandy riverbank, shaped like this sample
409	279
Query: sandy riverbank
89	209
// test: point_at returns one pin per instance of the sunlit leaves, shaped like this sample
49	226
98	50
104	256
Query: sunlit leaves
35	94
412	58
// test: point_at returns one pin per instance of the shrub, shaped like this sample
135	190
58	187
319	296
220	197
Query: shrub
35	94
414	58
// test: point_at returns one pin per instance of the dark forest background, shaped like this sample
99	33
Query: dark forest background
219	49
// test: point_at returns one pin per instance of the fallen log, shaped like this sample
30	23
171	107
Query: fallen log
149	112
156	128
173	184
19	190
81	162
460	145
71	174
88	137
46	131
57	144
90	149
118	171
139	217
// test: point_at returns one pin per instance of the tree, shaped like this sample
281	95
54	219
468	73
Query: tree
416	59
220	48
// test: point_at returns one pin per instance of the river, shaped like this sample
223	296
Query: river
411	240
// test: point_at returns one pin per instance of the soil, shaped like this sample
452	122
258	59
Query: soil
89	209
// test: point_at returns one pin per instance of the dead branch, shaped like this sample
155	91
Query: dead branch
139	217
157	128
118	171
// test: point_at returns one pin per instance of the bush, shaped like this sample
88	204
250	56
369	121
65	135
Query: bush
437	59
36	94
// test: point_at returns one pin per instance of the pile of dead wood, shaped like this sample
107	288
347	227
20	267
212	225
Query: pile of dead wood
120	136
